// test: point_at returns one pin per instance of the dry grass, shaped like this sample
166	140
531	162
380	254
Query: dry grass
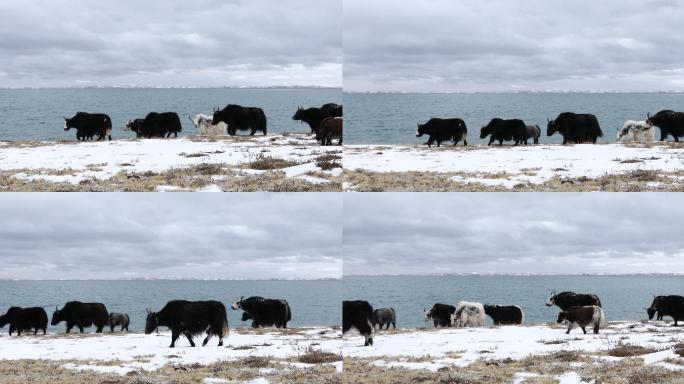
329	161
187	178
267	163
629	350
633	181
316	356
50	372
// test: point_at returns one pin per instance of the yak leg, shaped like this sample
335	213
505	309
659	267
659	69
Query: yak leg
35	331
596	328
491	140
253	132
570	327
583	329
206	339
189	337
99	329
174	337
430	142
68	328
44	331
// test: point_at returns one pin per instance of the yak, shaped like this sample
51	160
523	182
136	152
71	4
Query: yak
88	125
25	320
575	128
331	128
669	122
672	305
206	127
239	118
584	316
440	314
384	316
81	315
504	314
533	132
440	130
314	116
565	300
636	132
156	124
116	319
358	314
264	312
505	130
190	318
468	314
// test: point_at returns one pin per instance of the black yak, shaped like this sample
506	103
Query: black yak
504	314
505	130
314	116
575	128
440	130
440	314
239	118
264	312
190	318
81	315
331	128
88	125
669	122
156	124
358	314
672	305
25	320
565	300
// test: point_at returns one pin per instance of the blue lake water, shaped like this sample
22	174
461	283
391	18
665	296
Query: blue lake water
622	297
37	114
313	303
391	118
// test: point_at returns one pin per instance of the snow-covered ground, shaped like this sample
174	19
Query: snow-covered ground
134	352
533	164
77	162
462	347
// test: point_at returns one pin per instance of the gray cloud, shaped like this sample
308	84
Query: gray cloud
512	233
259	236
171	43
498	45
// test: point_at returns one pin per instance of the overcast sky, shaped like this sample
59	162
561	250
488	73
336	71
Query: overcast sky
513	233
502	45
170	43
121	236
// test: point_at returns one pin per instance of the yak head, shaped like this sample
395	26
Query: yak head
301	114
56	317
421	130
67	124
551	127
151	322
238	304
485	131
4	320
655	306
552	300
562	316
428	314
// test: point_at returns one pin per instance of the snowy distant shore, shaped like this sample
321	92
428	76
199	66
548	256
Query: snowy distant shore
273	162
659	166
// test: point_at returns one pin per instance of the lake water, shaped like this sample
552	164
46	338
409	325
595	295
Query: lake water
622	297
313	303
37	114
391	118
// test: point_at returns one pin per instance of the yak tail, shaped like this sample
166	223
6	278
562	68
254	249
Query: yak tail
224	317
601	317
